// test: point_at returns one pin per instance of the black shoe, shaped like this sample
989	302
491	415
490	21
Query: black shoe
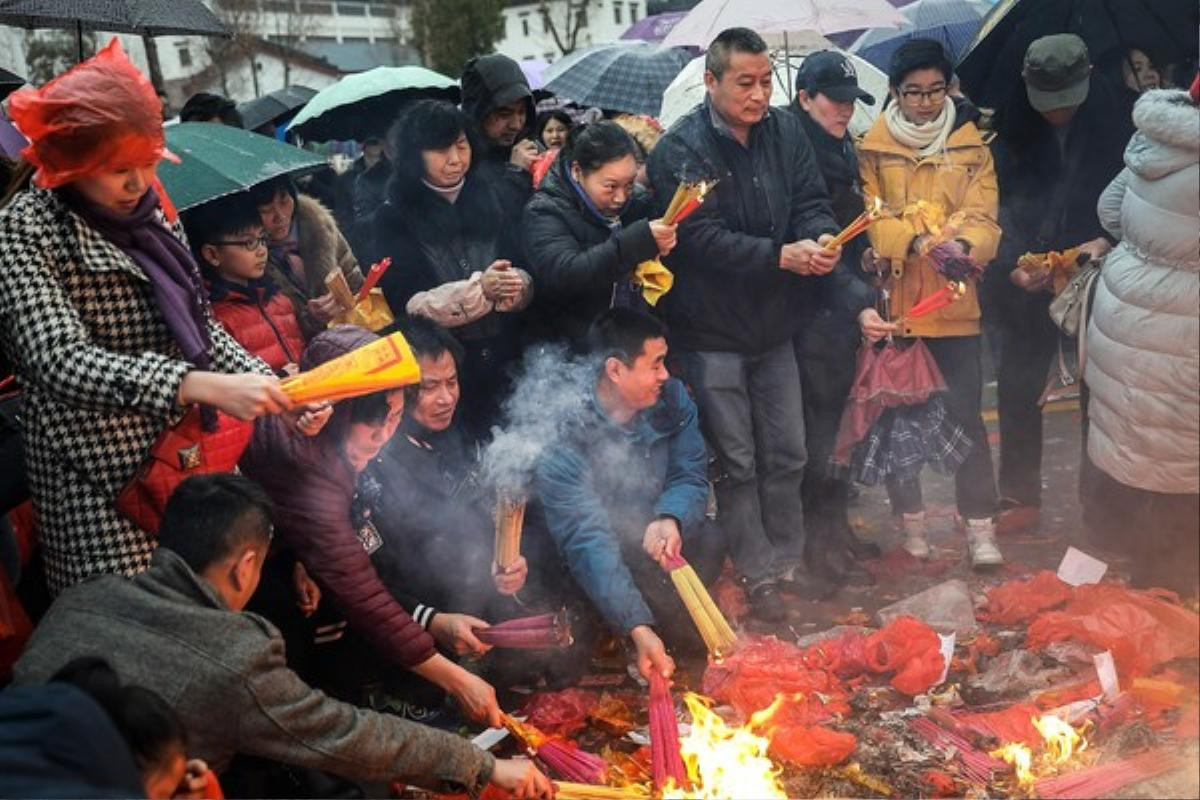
809	587
837	565
765	603
859	548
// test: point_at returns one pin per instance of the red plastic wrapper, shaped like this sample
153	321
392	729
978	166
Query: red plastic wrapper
811	747
764	667
1142	629
911	649
1020	601
560	713
1012	724
100	116
939	783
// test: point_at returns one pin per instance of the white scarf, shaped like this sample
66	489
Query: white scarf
926	139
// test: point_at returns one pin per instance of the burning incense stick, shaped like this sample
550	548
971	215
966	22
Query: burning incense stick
559	755
373	276
952	291
858	225
687	198
543	632
1103	780
386	363
565	790
510	519
665	762
718	637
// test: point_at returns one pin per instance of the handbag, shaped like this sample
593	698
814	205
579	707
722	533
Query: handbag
1070	309
184	449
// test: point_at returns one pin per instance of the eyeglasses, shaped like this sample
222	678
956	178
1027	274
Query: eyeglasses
251	243
934	95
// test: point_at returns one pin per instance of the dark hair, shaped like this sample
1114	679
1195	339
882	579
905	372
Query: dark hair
203	106
918	54
622	333
728	42
150	727
544	117
426	125
210	517
427	340
592	146
370	409
263	193
219	219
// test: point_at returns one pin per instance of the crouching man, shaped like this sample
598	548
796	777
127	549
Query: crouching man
624	489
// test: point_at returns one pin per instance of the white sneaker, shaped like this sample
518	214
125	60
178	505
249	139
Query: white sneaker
981	542
914	535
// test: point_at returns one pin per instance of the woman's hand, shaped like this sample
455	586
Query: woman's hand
871	262
194	781
501	282
875	327
511	579
1096	249
312	417
457	632
521	779
325	307
245	397
1031	281
308	594
477	699
664	236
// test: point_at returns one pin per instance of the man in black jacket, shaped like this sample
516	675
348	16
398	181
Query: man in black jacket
496	96
741	270
1054	156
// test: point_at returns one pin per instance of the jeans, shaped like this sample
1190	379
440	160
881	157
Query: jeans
752	415
1028	343
958	357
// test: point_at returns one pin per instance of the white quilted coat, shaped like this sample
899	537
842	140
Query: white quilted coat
1143	347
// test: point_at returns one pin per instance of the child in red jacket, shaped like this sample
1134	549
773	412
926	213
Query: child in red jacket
229	243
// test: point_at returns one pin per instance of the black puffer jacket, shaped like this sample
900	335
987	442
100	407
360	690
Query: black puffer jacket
730	293
575	257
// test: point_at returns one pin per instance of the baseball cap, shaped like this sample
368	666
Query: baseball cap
1057	72
833	75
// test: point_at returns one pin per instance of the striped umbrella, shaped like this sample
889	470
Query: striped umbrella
625	76
953	23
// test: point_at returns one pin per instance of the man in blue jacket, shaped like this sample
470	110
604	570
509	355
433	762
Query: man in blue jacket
624	489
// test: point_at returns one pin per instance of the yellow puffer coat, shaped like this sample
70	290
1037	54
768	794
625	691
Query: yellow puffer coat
962	178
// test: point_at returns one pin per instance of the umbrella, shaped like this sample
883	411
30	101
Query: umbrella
271	107
710	17
655	27
12	141
9	83
954	23
622	76
535	72
143	17
991	68
217	160
366	104
687	91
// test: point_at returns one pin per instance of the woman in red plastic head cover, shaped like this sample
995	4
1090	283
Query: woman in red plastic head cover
102	314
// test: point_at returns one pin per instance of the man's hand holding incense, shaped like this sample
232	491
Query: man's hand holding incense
651	653
521	778
662	539
511	579
325	307
807	257
456	632
523	154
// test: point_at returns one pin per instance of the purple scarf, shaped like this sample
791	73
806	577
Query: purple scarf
167	264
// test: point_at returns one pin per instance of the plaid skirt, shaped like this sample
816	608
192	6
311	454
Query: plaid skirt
906	438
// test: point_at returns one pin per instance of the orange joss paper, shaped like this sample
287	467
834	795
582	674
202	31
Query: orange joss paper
387	363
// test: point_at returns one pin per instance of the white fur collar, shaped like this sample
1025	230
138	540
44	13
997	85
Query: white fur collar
1170	117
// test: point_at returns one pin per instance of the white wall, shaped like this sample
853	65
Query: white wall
602	26
270	77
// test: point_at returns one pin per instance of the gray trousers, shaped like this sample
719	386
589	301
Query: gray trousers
752	415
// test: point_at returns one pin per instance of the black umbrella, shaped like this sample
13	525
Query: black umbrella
9	83
274	106
143	17
991	67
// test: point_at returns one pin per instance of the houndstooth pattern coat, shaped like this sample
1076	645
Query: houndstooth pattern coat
100	373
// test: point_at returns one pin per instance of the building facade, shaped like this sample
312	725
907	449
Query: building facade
530	35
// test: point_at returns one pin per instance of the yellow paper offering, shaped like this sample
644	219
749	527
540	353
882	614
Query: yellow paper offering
655	279
384	364
372	313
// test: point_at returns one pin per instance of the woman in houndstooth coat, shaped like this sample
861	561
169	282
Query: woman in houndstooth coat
99	353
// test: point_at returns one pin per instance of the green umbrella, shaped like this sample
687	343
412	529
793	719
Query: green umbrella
366	103
216	160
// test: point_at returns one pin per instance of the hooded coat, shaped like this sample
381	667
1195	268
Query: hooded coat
490	82
1143	340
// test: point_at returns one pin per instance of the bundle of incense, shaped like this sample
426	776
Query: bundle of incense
951	261
954	290
386	363
510	519
977	765
665	762
542	632
373	275
718	637
687	198
1104	780
858	225
565	790
335	282
560	756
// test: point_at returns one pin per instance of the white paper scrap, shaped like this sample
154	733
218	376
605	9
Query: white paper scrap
1078	568
1106	671
947	654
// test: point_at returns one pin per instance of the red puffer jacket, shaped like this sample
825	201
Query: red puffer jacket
261	319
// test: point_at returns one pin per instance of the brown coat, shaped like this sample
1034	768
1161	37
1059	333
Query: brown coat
322	249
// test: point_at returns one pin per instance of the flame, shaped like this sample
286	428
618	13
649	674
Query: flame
724	761
1021	759
1062	740
877	206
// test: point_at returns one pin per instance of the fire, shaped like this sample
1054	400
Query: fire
1021	759
1060	742
724	761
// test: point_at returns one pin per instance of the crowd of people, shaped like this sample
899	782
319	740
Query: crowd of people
295	627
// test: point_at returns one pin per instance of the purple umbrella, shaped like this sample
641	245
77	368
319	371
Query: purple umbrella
11	140
655	27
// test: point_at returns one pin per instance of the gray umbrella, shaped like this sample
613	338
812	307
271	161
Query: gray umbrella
143	17
621	76
275	106
9	83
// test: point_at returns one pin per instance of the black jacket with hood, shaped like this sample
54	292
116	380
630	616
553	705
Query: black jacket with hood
730	294
490	82
575	257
